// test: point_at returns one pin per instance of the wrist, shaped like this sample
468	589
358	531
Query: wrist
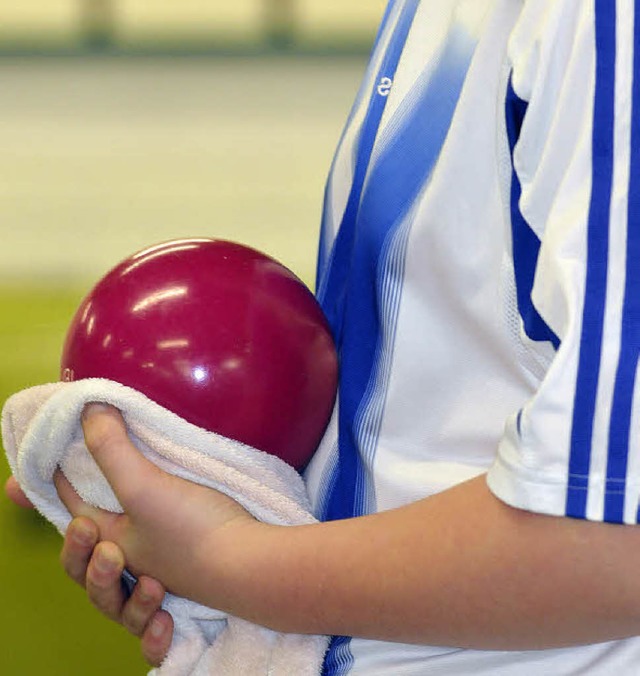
230	562
255	570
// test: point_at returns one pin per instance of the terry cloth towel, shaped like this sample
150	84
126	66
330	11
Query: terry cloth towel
41	430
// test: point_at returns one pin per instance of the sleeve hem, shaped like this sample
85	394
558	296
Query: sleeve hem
512	486
544	493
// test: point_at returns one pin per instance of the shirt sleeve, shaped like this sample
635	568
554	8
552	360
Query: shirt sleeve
572	109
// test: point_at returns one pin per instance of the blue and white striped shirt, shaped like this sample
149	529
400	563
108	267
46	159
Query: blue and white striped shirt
481	223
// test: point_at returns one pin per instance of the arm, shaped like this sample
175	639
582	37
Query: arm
460	568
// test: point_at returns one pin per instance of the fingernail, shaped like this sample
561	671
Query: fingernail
82	535
156	628
94	407
105	563
143	594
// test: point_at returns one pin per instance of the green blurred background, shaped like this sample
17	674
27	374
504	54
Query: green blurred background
125	123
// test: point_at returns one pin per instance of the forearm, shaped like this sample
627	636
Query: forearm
459	569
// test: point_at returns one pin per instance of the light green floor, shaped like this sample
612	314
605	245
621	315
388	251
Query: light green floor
48	626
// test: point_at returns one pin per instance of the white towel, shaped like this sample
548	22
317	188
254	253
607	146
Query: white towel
41	431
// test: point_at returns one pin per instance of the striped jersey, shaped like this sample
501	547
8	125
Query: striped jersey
476	263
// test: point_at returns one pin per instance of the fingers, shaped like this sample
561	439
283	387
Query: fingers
145	601
156	639
16	494
79	541
141	614
105	592
97	566
103	580
124	467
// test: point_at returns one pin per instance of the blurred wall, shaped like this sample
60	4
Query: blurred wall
107	148
101	157
241	21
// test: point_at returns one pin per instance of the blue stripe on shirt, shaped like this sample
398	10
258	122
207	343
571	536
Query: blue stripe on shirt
525	242
397	177
368	297
620	425
326	232
344	273
584	405
339	659
332	293
334	281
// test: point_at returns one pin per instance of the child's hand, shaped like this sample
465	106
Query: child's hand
168	524
97	566
168	529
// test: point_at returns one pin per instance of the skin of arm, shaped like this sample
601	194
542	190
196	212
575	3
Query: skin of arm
457	569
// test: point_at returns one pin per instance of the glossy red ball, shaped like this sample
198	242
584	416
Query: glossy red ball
219	333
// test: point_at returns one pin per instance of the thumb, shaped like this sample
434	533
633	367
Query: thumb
16	494
123	465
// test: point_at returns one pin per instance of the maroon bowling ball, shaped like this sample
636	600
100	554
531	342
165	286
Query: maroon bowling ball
222	335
